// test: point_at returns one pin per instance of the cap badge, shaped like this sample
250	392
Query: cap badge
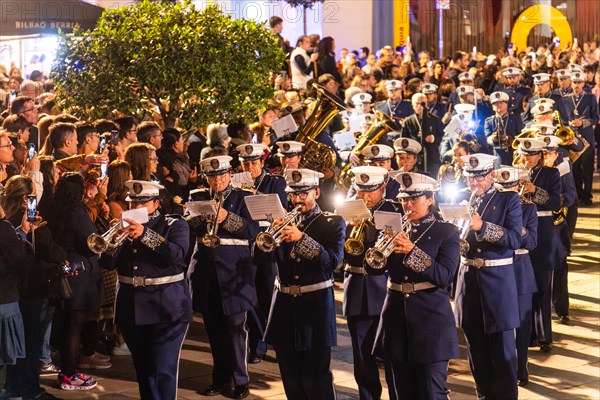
286	147
544	129
406	180
364	178
527	144
541	108
296	176
505	175
473	162
214	164
404	143
547	140
137	188
375	151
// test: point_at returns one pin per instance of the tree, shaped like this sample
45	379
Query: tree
193	66
305	4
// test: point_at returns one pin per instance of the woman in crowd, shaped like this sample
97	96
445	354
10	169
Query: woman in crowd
326	58
143	161
72	228
179	176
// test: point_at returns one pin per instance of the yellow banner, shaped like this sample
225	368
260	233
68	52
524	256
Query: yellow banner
401	22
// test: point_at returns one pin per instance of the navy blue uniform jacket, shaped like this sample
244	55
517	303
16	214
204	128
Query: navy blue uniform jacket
523	268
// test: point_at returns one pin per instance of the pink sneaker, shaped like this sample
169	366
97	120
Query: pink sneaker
78	382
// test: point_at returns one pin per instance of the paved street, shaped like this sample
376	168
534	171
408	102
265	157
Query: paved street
570	371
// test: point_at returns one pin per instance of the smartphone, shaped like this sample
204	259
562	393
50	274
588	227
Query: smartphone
31	151
102	145
66	269
114	138
103	169
31	207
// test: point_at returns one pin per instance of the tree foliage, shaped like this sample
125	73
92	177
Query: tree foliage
303	3
196	66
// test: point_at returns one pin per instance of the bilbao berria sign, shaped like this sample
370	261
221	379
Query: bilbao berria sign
26	17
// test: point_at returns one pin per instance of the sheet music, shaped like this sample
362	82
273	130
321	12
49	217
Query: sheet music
139	215
345	140
451	212
265	206
242	179
388	220
353	209
284	126
204	207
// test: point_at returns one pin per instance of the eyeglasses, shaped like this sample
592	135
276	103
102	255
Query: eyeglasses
7	145
412	199
158	135
300	195
29	109
153	159
479	178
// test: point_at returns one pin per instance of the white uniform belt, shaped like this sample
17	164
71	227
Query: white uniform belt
297	290
228	242
544	213
521	251
141	281
408	288
480	262
354	270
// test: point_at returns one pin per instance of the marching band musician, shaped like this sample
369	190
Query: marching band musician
361	115
364	294
511	88
543	189
461	125
450	177
433	105
379	155
222	277
582	111
501	128
428	130
568	197
464	79
153	305
407	152
417	335
507	179
486	295
290	155
251	159
302	324
395	107
543	90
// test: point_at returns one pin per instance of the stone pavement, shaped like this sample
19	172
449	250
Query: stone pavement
570	371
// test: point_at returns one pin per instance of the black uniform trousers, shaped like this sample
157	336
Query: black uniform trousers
366	372
560	281
257	318
228	340
492	357
542	307
155	352
523	335
306	374
418	381
583	171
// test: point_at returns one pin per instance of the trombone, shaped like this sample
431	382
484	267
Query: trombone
377	256
270	239
210	238
110	240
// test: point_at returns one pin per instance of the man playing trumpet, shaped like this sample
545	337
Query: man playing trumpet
301	325
222	276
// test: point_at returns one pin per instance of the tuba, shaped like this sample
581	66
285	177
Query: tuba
318	156
270	239
382	126
110	240
377	256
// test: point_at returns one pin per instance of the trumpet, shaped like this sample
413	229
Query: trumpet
111	239
355	244
464	225
377	256
270	239
210	239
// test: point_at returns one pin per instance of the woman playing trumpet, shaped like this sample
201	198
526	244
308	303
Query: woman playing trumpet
417	334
